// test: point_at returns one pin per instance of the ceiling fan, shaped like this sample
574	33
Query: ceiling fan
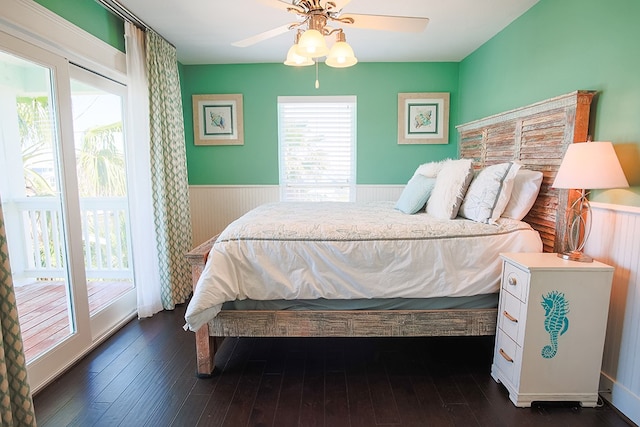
316	14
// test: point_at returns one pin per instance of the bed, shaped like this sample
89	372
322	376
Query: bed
535	136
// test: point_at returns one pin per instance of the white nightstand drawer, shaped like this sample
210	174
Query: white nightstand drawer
509	317
515	281
507	358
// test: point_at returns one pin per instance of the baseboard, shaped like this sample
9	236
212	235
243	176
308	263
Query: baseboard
621	398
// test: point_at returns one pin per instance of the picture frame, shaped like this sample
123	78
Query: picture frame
423	118
218	119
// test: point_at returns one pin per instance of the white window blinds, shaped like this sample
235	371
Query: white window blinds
317	140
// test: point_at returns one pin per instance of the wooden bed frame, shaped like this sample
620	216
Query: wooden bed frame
536	135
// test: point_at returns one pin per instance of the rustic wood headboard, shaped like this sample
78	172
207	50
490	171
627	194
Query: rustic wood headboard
536	135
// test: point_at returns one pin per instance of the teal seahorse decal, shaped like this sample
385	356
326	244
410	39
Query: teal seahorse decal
556	322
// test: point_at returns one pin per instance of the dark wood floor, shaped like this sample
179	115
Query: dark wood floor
144	376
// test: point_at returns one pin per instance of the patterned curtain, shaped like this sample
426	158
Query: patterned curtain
16	405
169	183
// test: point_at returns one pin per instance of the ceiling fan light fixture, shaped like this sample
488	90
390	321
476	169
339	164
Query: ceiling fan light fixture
312	44
295	60
341	54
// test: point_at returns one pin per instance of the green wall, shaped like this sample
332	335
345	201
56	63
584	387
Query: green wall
380	160
91	17
559	46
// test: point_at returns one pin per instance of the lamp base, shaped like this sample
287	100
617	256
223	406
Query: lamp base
575	256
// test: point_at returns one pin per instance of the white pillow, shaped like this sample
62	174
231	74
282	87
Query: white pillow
431	169
489	193
526	187
415	194
451	184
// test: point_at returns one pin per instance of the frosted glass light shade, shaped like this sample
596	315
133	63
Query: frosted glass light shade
312	44
295	60
341	55
590	165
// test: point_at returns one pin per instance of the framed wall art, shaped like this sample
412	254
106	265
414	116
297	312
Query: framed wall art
217	119
423	118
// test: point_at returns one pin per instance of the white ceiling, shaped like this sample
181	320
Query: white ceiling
203	30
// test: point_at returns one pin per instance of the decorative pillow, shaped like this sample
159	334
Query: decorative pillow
415	194
430	169
451	185
489	193
526	187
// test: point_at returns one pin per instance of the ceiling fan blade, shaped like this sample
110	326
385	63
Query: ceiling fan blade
278	4
262	36
340	4
404	24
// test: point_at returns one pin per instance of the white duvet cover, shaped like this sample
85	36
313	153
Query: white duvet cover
347	250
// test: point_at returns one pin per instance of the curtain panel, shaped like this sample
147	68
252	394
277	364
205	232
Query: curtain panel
169	184
16	404
145	256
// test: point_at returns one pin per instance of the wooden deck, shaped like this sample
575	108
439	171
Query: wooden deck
43	313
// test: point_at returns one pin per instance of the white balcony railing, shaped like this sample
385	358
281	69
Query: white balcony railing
105	236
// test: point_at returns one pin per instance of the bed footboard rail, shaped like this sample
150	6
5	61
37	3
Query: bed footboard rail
206	345
355	323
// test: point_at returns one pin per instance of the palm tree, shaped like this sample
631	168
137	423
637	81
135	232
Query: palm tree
101	164
100	160
36	144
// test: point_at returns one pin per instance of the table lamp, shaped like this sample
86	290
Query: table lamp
586	166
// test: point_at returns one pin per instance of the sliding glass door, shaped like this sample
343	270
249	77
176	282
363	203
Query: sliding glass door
64	198
33	199
98	106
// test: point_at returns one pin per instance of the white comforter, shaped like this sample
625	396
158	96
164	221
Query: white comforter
347	251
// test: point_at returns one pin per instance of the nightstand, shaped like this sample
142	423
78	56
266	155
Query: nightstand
552	320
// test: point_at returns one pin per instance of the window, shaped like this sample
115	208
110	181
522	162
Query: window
317	146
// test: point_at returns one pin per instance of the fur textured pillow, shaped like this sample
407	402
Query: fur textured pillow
431	169
451	185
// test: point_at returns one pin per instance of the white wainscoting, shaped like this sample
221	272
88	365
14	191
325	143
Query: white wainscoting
615	240
213	207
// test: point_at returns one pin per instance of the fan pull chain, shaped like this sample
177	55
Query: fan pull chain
317	81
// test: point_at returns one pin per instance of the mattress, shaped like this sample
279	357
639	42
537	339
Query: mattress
349	251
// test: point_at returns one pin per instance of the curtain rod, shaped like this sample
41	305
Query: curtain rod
119	10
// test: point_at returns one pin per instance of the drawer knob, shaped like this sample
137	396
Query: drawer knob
512	280
506	356
510	317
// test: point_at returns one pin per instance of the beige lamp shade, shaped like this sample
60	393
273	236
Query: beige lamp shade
312	44
295	60
590	165
341	56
